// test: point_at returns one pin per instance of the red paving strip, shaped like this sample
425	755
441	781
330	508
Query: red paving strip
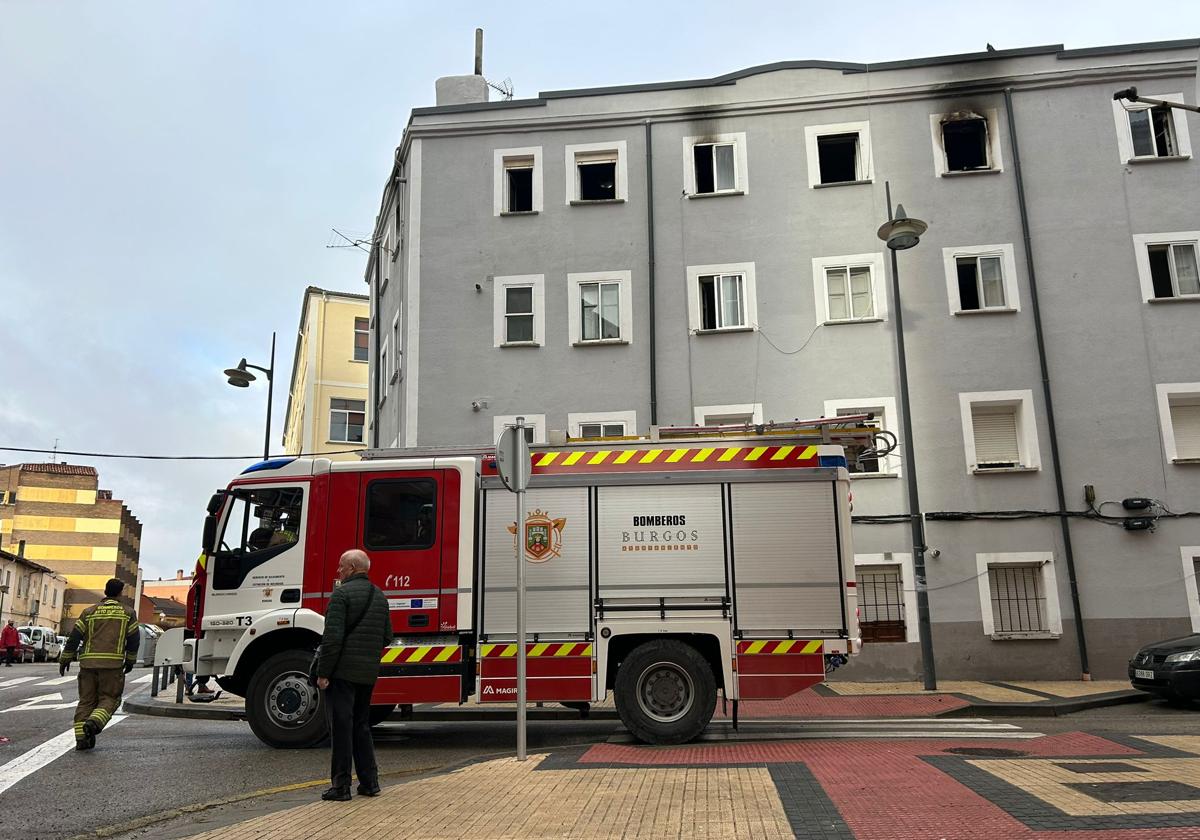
884	790
808	704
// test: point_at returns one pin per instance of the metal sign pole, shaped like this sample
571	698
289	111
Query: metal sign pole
521	448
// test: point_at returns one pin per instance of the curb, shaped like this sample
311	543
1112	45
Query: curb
1046	708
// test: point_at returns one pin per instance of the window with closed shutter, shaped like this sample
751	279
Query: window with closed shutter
996	442
1185	422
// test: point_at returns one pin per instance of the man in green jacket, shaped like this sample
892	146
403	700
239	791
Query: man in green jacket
358	626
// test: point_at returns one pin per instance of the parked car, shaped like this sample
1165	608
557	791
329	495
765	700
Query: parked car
26	653
43	640
54	646
1169	669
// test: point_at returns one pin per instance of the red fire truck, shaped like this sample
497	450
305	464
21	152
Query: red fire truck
665	570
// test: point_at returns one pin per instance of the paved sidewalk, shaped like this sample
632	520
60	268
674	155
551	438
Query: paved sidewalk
1074	786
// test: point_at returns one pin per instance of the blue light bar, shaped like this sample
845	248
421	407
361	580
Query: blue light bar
273	464
833	461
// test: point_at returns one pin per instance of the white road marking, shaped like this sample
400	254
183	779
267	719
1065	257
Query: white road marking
142	679
60	680
41	755
15	682
30	705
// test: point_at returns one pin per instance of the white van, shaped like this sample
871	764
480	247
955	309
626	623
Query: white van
44	641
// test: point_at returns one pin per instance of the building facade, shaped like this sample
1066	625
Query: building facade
327	399
607	260
71	526
30	594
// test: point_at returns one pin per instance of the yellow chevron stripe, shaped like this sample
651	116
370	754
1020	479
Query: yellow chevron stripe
808	453
446	653
486	650
677	455
813	647
755	647
782	453
756	453
419	654
600	457
509	650
730	453
565	649
390	654
650	456
625	456
587	651
702	455
572	458
538	649
784	647
548	459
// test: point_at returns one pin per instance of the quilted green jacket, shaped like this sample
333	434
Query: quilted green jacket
354	658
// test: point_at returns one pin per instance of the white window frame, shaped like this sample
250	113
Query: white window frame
501	160
741	169
395	364
865	160
624	279
1141	252
329	420
385	359
1165	392
577	150
355	333
1189	554
575	419
1040	559
749	295
995	155
1125	131
908	591
1027	437
538	421
1008	265
885	409
755	410
538	283
821	286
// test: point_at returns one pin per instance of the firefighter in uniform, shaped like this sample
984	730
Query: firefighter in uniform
109	635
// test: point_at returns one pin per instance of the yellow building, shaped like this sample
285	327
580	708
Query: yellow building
327	401
71	527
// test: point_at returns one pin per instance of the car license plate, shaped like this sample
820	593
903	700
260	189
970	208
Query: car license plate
1143	675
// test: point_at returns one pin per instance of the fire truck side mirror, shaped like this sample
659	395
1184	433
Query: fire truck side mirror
210	534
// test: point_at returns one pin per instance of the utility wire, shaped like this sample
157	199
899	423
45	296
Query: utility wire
136	457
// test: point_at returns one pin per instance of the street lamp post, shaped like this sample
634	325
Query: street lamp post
241	377
901	233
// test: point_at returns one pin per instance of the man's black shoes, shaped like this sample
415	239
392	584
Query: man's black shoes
337	794
368	790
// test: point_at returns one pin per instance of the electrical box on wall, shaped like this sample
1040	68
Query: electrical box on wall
1136	503
1138	523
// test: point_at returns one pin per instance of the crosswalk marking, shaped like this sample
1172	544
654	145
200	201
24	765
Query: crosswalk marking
15	682
966	729
31	704
141	679
41	755
59	680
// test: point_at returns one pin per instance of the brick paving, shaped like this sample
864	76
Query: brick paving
1073	786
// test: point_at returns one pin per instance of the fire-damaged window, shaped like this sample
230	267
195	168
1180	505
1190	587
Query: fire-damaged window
400	514
262	523
838	155
597	176
518	184
715	168
965	141
881	601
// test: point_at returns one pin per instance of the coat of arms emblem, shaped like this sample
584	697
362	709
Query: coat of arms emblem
543	536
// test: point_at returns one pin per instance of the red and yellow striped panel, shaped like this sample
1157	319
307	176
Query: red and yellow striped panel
772	646
421	654
667	458
543	649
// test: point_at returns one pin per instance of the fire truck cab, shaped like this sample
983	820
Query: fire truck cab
666	570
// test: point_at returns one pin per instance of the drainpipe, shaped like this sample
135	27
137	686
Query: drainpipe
650	275
1081	642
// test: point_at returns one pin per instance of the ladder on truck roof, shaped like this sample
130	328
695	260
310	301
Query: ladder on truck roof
852	432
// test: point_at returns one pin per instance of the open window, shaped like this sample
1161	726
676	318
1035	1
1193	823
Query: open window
714	164
1148	134
721	297
838	154
981	278
596	173
1173	270
517	186
966	141
262	523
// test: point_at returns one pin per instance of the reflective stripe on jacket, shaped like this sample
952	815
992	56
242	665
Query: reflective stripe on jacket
108	633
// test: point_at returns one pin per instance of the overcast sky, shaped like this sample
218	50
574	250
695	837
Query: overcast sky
170	173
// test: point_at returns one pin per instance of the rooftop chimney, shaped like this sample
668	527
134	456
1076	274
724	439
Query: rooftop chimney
179	574
463	90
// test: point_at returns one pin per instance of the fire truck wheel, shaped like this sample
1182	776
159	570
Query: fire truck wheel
665	692
379	714
282	707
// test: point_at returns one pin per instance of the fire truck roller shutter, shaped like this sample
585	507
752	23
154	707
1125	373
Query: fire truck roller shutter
661	541
556	557
786	565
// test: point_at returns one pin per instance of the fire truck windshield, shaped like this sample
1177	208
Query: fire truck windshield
263	522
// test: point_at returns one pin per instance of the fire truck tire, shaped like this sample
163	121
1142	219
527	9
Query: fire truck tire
282	707
665	692
379	714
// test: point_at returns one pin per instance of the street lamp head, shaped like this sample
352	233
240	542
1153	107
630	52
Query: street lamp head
902	233
239	377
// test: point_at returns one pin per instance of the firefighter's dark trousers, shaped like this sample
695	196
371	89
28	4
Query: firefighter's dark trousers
348	710
100	692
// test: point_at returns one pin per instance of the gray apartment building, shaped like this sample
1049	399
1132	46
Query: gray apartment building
606	260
